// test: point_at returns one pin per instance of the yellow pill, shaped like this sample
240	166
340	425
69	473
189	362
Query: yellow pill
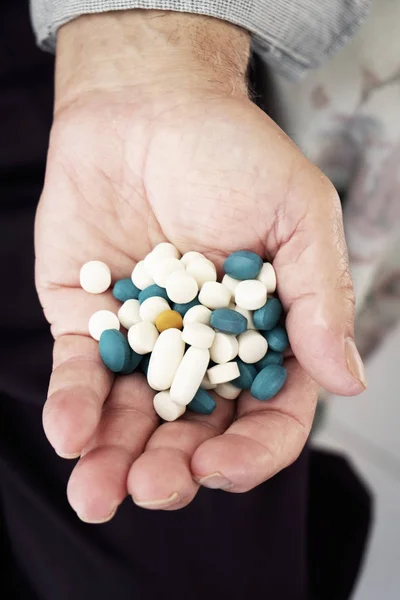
169	319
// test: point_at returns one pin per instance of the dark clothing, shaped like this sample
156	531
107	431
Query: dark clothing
222	546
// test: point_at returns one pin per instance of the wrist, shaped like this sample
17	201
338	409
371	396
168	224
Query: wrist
153	55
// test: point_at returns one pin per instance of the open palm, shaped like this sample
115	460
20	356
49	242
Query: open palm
213	176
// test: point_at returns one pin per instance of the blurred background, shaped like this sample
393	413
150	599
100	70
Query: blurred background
365	429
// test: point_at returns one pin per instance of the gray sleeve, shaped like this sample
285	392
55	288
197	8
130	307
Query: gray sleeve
291	35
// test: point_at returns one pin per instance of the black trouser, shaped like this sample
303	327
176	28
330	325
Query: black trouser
223	545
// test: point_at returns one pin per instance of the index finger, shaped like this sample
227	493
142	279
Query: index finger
79	385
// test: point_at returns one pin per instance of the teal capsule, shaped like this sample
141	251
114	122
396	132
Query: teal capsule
243	264
268	382
133	363
125	289
153	290
246	377
267	317
144	364
203	403
271	358
183	308
228	321
114	349
277	339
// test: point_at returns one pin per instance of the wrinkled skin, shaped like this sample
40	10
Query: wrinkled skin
213	175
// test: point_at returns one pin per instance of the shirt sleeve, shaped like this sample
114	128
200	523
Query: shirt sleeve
292	36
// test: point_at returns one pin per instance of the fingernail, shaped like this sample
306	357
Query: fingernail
354	362
160	503
69	456
215	481
97	521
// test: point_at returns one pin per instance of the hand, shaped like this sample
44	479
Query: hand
156	142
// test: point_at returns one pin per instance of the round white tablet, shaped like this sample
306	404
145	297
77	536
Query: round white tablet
128	313
142	337
152	307
198	335
164	268
230	283
268	277
252	346
250	294
141	277
223	373
228	391
192	255
214	295
159	253
224	348
95	277
202	270
181	287
101	321
197	314
165	408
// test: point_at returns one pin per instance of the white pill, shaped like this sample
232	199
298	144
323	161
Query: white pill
101	321
252	346
246	313
228	391
128	314
189	256
202	270
181	287
152	307
197	314
164	268
142	337
189	375
95	277
160	252
223	373
268	277
250	294
165	408
206	383
214	295
165	359
141	277
198	335
224	348
230	283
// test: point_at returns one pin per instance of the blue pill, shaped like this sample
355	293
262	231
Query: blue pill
228	321
202	403
277	339
125	289
132	364
268	382
243	265
114	349
247	375
267	317
271	358
183	308
144	364
153	290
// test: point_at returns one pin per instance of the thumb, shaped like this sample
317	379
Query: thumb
316	289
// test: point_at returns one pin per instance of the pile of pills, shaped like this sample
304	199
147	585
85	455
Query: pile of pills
189	333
